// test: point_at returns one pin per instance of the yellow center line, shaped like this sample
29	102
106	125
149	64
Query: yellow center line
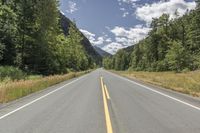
107	115
107	93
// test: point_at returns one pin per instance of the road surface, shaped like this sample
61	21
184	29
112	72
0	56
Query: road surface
102	102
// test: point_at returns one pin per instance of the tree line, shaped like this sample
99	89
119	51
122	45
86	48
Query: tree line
171	45
31	38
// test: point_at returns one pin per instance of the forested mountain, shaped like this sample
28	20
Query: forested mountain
32	38
101	52
129	49
172	45
94	55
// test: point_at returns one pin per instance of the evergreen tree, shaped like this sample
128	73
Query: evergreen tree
7	34
32	39
171	45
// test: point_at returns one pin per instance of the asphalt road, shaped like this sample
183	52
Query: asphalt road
102	102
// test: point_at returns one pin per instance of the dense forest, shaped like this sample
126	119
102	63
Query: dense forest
32	39
171	45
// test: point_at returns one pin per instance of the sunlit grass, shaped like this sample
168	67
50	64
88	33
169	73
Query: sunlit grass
10	91
188	82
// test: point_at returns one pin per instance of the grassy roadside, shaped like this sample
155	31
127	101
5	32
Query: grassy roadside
188	83
17	89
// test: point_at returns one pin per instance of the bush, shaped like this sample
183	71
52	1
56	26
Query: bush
162	66
11	72
185	70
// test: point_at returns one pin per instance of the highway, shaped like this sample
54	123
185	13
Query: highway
102	102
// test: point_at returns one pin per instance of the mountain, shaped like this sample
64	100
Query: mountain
129	49
90	50
102	52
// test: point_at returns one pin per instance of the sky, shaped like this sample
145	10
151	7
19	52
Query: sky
115	24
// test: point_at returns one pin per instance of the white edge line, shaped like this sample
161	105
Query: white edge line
12	112
155	91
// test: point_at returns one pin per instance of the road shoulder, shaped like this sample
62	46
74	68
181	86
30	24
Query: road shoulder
181	96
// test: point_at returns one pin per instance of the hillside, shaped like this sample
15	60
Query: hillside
102	52
171	45
65	23
129	49
36	44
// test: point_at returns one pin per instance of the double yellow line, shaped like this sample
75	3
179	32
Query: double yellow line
106	96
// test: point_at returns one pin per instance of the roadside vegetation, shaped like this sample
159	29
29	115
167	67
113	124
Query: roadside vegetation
171	45
35	42
187	82
36	50
169	56
11	90
8	73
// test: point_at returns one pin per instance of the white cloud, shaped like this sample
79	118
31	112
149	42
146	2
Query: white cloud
107	27
125	14
139	26
122	9
72	7
126	37
119	31
102	42
155	10
108	40
99	41
125	3
89	35
128	1
138	32
121	39
113	47
93	39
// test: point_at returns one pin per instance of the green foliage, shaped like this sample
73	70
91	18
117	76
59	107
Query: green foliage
69	51
120	60
1	50
177	57
107	62
172	45
78	58
32	39
8	29
12	73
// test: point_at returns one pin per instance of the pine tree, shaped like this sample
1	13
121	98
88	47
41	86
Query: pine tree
8	33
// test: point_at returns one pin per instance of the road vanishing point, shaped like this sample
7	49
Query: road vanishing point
102	102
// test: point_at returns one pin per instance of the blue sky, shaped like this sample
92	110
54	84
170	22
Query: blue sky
115	24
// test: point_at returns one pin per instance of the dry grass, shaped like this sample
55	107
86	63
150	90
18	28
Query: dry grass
188	83
17	89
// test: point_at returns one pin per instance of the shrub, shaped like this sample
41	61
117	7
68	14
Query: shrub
185	70
11	72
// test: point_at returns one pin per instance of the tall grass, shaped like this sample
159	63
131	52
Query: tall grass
17	89
188	82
